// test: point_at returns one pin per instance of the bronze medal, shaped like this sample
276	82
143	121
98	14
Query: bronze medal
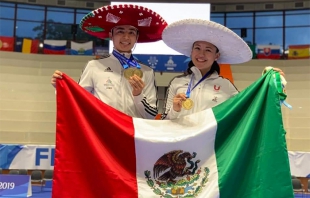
187	104
128	73
138	72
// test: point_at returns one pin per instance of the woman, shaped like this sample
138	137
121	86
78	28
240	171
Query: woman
207	43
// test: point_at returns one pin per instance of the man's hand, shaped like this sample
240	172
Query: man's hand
137	85
56	75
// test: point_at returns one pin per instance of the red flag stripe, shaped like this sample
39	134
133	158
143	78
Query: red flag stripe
88	163
6	43
60	52
35	46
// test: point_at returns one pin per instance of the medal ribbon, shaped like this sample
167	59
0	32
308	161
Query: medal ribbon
125	62
280	88
189	89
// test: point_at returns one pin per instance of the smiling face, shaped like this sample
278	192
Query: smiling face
124	37
203	55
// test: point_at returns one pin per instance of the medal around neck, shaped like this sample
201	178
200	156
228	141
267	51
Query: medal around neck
138	72
128	73
187	104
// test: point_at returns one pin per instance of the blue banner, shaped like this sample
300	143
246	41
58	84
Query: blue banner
101	51
14	156
164	63
15	186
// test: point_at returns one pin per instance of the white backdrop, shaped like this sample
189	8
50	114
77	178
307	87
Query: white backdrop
171	12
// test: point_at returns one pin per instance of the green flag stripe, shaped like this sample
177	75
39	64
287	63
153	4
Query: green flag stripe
250	144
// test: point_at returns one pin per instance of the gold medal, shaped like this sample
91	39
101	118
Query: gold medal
187	104
128	73
138	72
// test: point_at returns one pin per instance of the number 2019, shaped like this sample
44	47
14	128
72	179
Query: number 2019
7	185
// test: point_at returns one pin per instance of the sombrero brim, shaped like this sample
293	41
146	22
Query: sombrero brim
100	21
181	35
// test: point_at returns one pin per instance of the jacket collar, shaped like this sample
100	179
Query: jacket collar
126	54
198	75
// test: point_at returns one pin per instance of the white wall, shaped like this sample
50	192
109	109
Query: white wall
27	100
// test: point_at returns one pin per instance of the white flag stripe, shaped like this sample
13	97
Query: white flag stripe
56	42
196	133
86	46
269	46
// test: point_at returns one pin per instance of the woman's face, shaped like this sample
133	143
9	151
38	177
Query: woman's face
203	55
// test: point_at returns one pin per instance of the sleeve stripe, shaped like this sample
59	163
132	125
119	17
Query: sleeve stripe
153	114
148	108
163	116
148	105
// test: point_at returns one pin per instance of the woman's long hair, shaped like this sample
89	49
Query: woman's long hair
215	66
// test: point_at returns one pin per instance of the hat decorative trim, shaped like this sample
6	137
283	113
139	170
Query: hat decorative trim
102	20
112	18
145	22
181	36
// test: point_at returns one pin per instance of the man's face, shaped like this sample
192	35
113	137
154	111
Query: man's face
124	37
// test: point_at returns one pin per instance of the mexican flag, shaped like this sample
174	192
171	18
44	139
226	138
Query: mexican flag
234	150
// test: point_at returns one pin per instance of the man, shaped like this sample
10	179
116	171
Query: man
118	79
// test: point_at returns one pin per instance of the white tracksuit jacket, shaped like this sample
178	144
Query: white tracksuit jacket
105	80
209	93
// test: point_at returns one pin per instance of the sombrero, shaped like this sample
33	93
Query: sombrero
181	35
100	21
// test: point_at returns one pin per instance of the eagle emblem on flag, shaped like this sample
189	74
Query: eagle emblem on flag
177	173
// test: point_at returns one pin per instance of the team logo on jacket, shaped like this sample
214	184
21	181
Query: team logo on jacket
217	87
108	69
108	84
214	99
177	174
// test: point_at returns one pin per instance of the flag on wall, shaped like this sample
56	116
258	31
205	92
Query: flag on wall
298	51
253	49
82	48
30	46
234	150
55	47
19	44
7	43
268	52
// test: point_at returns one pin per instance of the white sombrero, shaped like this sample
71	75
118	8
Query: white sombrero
181	35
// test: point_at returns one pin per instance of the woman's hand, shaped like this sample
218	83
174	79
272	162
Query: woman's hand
177	101
279	70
